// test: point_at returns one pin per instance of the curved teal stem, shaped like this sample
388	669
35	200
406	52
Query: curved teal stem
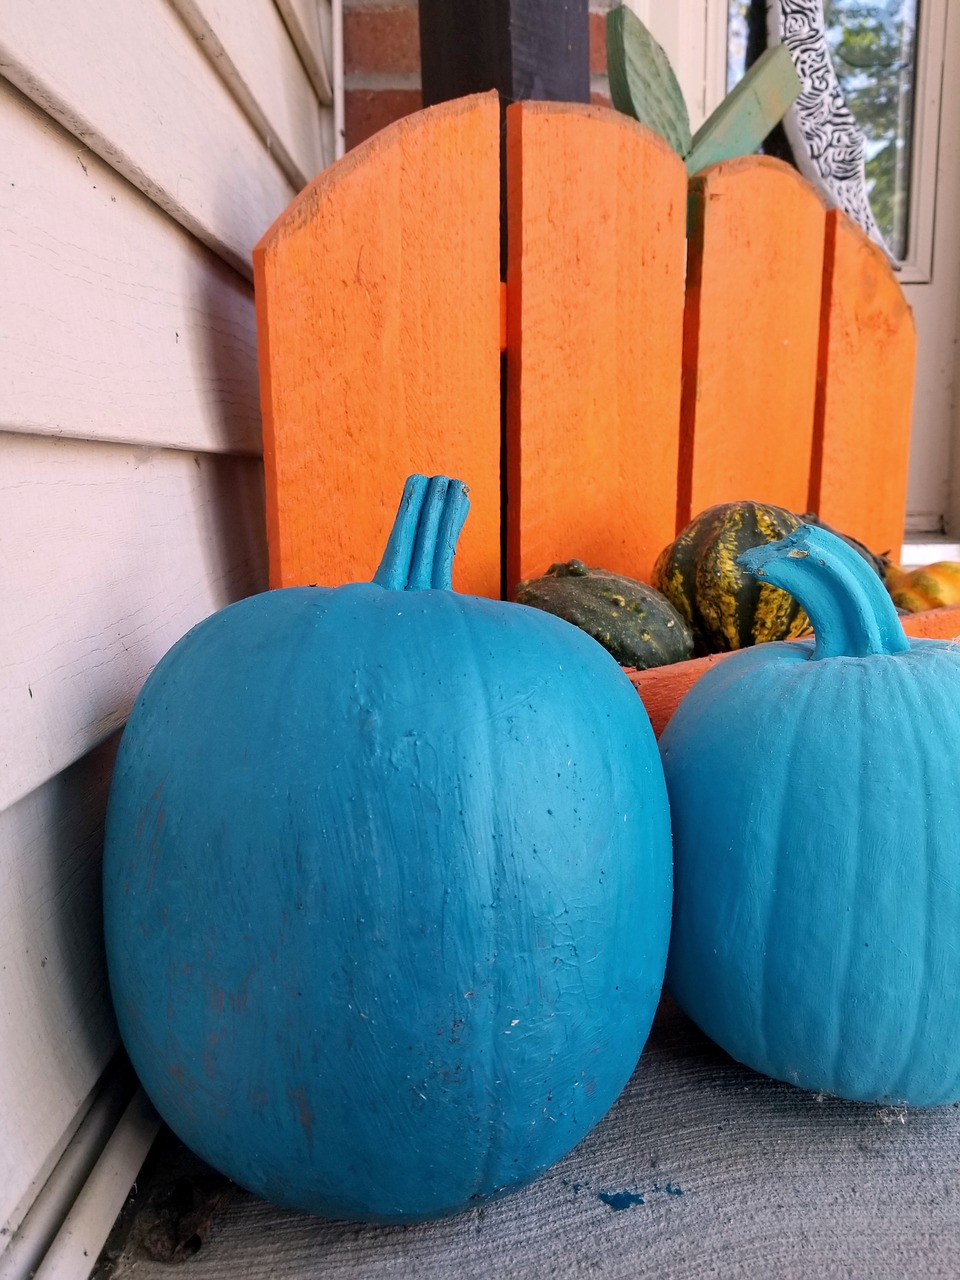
422	543
848	605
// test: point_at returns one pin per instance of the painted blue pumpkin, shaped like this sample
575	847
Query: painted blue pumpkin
387	886
815	791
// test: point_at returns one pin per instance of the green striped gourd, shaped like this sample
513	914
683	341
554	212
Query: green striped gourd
726	607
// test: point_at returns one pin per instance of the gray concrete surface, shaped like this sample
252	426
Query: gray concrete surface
702	1169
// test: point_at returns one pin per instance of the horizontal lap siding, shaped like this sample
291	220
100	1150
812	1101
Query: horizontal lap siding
115	323
133	84
112	552
141	162
311	29
57	1032
252	51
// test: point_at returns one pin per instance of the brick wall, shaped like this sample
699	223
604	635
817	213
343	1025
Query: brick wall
381	51
599	88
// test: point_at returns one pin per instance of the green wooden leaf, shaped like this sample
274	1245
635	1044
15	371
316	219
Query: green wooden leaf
747	114
642	83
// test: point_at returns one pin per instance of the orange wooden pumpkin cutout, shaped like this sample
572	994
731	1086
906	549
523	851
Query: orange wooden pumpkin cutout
782	375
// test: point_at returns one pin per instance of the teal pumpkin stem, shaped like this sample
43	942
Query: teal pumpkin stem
849	607
420	550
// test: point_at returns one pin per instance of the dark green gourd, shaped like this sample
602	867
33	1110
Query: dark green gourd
634	622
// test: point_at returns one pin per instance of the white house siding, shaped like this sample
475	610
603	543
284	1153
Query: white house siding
144	148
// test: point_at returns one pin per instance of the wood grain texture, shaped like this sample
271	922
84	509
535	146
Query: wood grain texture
309	23
250	48
57	1030
130	82
934	624
662	688
748	113
115	323
378	303
594	325
751	335
111	554
864	406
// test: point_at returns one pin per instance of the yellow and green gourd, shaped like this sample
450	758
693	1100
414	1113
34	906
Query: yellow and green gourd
934	586
633	621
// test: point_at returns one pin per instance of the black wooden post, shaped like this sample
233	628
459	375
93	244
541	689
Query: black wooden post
523	48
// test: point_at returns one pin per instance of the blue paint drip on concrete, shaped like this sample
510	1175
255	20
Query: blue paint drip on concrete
620	1200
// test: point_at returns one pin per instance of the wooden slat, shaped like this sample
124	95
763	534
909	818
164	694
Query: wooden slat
116	324
751	334
594	324
57	1031
865	392
309	24
378	301
249	46
130	82
110	555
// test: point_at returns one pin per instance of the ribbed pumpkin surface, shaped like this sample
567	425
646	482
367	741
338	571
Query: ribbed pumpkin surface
386	886
818	884
816	824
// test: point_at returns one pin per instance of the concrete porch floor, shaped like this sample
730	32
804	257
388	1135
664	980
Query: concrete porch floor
702	1169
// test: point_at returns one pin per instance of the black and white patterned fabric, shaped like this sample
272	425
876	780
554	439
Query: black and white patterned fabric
827	142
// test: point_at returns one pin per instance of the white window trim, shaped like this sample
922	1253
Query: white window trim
917	266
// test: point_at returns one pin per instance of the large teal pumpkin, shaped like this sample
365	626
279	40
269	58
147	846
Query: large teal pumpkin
815	791
387	881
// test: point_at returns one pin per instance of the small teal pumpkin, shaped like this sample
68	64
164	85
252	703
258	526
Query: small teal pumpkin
387	886
815	791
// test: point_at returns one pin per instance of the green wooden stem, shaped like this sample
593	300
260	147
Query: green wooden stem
642	81
748	113
420	550
850	608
